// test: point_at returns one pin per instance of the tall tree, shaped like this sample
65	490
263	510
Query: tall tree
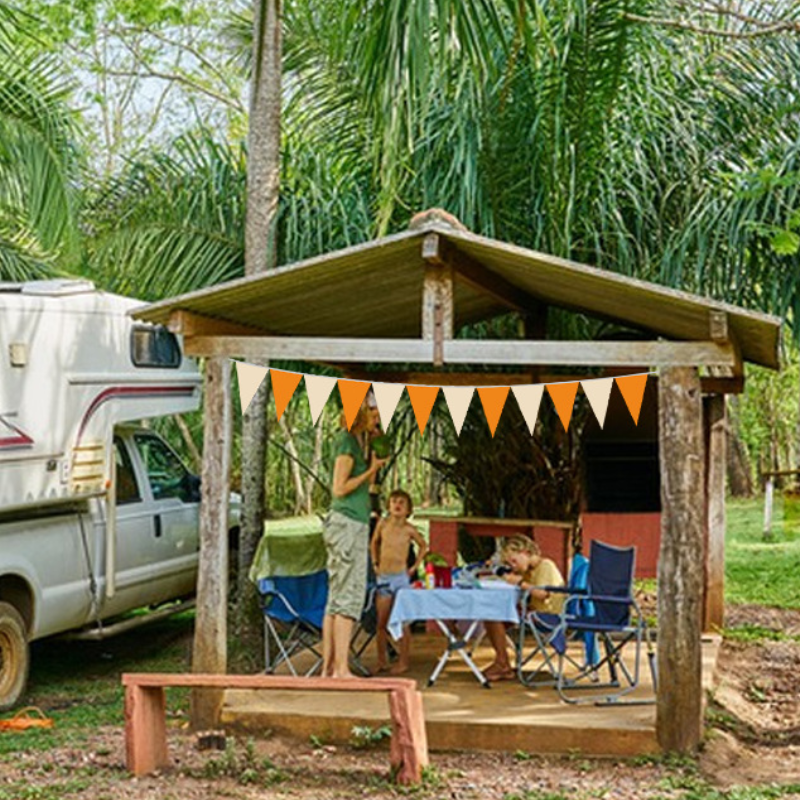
261	254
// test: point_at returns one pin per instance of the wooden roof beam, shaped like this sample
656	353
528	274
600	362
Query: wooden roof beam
724	380
438	250
468	351
189	323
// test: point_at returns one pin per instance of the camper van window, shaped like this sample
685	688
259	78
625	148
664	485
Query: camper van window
154	346
127	488
168	477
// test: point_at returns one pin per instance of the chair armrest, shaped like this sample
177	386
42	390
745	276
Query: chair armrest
274	593
602	598
563	590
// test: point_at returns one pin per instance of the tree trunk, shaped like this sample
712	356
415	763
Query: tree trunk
679	702
261	254
294	467
186	434
315	464
210	630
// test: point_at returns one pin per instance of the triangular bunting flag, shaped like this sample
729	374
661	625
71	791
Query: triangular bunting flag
250	378
598	391
352	394
529	399
318	388
632	388
493	399
458	400
563	395
387	396
422	400
283	386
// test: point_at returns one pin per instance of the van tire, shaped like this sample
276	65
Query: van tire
14	656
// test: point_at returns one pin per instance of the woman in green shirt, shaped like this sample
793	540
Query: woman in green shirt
346	535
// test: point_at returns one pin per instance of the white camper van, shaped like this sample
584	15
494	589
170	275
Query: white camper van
97	516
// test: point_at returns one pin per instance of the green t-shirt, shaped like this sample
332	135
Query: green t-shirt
355	505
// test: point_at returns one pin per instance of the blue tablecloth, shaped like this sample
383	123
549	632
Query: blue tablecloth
496	603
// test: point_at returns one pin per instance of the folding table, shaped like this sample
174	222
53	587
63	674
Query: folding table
492	601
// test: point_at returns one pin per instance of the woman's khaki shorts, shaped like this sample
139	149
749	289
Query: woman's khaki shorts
346	542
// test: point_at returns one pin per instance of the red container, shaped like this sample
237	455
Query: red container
442	577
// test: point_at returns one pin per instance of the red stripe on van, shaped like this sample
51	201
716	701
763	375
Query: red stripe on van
117	392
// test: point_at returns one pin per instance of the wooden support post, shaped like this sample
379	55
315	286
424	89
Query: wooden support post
210	633
716	462
679	704
437	296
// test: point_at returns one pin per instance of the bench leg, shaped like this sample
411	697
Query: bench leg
409	746
145	729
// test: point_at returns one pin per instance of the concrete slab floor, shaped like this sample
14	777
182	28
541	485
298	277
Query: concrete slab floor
462	715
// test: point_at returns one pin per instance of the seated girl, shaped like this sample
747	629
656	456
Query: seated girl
530	571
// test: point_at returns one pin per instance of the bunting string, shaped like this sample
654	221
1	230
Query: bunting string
493	398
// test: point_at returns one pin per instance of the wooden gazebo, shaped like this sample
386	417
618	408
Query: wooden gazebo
402	299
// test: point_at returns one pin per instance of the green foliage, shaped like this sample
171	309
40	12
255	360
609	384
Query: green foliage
38	158
757	634
364	737
766	415
173	222
241	762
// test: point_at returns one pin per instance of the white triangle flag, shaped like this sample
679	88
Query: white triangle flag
529	398
250	378
318	388
458	400
387	396
598	391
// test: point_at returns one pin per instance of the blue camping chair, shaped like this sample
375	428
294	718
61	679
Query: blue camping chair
605	609
537	632
294	609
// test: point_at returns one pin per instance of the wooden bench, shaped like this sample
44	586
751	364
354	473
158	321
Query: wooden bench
145	714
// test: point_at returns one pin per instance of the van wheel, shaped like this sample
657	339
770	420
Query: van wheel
14	656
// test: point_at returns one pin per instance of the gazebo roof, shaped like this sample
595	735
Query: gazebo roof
375	290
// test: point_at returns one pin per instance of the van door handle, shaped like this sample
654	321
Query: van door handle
157	521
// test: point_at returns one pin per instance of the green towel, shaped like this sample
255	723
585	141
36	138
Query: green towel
288	548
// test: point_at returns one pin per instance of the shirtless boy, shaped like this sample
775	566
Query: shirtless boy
389	551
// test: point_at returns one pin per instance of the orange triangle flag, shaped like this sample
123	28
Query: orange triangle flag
632	388
422	400
563	395
493	399
352	394
283	386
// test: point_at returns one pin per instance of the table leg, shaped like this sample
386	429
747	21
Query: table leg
458	644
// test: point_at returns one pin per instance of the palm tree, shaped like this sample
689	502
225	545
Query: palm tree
38	158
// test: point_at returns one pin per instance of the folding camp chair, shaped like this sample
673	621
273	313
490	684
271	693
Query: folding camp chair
536	655
607	609
294	607
289	570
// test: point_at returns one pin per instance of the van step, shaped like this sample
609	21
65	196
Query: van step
98	633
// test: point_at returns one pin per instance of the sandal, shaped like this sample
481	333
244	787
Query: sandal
495	673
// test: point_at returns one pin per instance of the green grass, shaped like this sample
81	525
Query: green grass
77	684
759	572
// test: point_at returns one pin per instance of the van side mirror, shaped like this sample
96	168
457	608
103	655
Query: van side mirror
192	488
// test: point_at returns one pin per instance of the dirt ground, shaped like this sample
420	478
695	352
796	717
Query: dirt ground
754	740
